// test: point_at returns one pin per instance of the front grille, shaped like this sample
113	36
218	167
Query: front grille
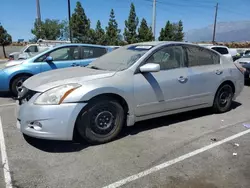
25	95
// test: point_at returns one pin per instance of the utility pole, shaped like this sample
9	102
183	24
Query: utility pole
215	22
38	12
69	14
154	18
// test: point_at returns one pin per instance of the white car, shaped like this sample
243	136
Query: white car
223	50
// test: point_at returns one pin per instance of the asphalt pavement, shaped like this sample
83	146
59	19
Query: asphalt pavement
172	151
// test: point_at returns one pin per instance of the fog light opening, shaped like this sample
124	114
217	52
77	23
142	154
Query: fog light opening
36	125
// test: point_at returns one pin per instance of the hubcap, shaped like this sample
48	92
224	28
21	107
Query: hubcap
104	120
225	96
19	85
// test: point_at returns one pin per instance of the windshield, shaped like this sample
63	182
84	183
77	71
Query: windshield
23	48
120	59
246	56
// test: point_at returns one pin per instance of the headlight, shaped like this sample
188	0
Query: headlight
56	95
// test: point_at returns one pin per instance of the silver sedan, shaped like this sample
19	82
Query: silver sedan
133	83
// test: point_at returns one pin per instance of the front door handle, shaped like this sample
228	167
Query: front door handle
182	79
75	64
218	72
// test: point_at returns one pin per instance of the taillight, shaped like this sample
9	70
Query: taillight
240	68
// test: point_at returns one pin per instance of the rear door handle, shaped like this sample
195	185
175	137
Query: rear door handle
75	64
182	79
218	72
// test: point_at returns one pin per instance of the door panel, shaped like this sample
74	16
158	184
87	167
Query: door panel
205	73
160	91
165	90
69	56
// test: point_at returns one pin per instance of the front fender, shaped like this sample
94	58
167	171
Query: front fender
85	94
12	72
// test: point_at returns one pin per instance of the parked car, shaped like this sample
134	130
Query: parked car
223	50
133	83
14	73
33	49
244	61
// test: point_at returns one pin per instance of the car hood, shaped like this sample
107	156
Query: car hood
244	60
10	63
47	80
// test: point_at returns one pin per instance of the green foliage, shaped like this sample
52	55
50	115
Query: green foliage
144	32
179	36
49	29
131	24
112	31
80	25
5	38
99	34
172	32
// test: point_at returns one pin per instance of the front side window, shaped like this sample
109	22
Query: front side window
199	56
171	57
32	49
62	54
93	52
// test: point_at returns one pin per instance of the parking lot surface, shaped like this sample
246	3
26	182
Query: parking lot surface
40	163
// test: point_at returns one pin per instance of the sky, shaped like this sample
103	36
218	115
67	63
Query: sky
17	16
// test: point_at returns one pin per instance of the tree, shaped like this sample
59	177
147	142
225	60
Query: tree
112	31
179	36
144	32
167	34
80	25
100	37
49	29
162	35
5	39
131	24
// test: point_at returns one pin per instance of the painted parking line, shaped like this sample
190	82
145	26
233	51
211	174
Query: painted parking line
5	163
9	104
173	161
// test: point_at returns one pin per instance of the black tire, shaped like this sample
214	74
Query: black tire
101	121
223	99
16	84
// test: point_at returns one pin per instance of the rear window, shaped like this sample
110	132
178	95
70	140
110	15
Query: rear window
221	50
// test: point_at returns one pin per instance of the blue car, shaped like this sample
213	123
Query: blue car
14	73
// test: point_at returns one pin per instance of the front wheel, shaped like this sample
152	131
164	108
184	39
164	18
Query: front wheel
17	83
223	99
101	121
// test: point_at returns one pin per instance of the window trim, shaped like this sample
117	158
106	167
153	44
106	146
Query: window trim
35	61
137	71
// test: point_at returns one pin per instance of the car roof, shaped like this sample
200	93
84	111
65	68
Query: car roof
157	43
81	44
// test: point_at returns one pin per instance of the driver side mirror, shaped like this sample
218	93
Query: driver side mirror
150	67
49	59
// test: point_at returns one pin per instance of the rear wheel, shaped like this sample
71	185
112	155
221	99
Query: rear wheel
223	99
101	121
17	83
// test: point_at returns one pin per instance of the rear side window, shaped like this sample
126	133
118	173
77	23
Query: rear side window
198	56
93	52
221	50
